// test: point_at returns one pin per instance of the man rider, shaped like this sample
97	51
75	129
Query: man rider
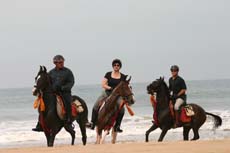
62	82
177	89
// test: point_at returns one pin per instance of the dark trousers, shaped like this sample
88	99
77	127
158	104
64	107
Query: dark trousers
67	102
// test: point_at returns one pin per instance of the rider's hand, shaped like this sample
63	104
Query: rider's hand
173	97
110	89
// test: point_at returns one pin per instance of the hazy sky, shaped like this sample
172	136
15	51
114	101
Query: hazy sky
147	35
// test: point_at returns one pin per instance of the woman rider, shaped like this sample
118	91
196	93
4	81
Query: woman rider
109	82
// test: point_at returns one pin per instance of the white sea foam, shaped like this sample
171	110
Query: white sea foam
19	132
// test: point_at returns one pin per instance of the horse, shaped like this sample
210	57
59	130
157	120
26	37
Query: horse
110	109
164	118
49	119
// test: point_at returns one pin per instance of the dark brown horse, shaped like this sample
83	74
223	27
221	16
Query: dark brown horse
108	113
49	119
165	119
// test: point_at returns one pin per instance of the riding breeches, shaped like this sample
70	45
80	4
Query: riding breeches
178	103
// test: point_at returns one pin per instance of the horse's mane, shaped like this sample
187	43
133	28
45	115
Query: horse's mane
166	88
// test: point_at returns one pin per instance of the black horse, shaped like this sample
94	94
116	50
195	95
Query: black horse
165	119
49	119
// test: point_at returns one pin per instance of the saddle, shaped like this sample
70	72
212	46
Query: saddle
186	113
76	108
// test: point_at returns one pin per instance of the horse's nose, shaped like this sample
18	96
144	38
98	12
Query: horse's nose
133	100
34	91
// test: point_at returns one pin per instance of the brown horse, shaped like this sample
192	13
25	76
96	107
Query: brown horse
110	109
49	119
165	119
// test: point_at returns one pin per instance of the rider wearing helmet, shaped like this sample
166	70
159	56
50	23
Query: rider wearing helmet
109	82
177	89
62	82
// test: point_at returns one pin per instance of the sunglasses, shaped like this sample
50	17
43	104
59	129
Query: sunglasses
116	65
174	71
58	62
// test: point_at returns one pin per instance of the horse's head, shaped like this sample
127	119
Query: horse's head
42	81
125	91
155	86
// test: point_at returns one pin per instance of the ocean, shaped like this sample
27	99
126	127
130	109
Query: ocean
17	116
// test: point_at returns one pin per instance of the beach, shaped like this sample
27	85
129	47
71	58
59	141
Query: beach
202	146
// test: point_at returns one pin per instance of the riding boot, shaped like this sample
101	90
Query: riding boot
177	120
118	122
94	119
38	128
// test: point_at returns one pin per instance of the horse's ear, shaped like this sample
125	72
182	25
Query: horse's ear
44	69
129	79
40	68
126	76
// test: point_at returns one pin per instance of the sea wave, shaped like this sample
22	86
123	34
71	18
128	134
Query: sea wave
19	132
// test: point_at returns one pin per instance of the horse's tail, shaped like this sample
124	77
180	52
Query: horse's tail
217	119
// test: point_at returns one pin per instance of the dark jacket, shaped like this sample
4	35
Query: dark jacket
62	79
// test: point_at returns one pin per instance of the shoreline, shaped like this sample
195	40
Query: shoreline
200	146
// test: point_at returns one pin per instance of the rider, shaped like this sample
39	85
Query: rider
109	82
62	81
177	89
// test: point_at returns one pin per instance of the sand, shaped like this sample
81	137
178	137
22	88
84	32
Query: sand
204	146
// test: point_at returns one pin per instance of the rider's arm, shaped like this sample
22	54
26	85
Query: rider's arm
69	82
183	91
104	84
183	88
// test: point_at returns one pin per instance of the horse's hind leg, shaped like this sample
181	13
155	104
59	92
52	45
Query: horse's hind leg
152	128
186	132
196	133
72	133
83	131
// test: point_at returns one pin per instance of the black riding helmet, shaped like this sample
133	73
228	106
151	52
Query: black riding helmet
117	61
58	58
174	68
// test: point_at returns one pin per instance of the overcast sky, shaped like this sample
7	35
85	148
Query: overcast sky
147	35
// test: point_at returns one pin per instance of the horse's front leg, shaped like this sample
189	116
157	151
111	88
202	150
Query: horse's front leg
83	131
103	136
98	137
114	136
50	139
163	133
152	128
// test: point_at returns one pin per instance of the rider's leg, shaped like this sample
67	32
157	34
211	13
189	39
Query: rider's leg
96	108
177	106
120	116
67	100
38	127
118	120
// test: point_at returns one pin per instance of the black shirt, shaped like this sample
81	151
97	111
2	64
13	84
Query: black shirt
112	82
176	85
